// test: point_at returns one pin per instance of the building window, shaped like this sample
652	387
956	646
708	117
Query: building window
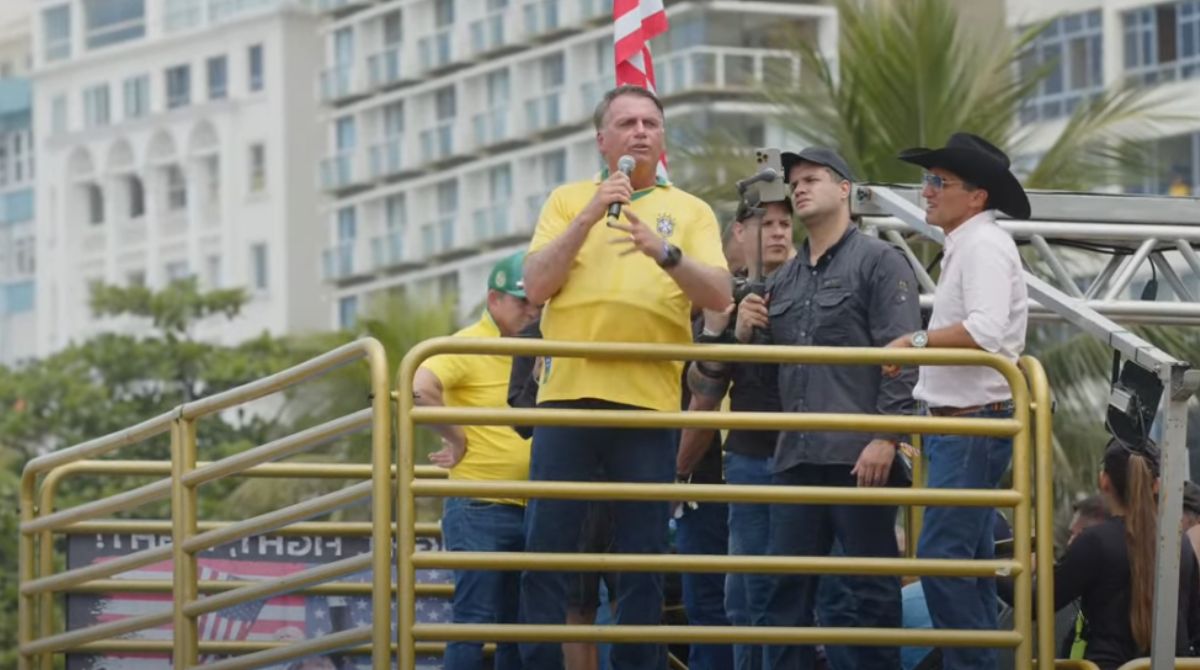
347	312
58	113
95	202
137	197
393	28
176	271
1175	167
114	21
258	266
1162	42
216	77
95	106
393	119
56	32
258	168
18	298
444	104
179	86
344	134
443	13
395	211
212	271
1071	47
176	189
256	67
137	97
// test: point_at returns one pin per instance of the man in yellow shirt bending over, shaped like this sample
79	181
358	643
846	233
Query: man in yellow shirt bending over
634	280
480	453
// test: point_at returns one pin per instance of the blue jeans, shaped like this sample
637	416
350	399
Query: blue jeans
622	455
963	462
705	530
836	607
810	530
483	596
749	527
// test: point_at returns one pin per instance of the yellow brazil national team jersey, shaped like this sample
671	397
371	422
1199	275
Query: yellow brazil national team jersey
493	452
613	298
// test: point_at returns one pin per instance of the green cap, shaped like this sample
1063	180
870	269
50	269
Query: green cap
507	275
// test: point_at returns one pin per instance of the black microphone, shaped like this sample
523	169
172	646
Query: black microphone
625	164
766	174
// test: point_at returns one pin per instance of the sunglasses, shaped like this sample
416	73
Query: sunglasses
937	182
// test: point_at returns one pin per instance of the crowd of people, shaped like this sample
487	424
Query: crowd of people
628	257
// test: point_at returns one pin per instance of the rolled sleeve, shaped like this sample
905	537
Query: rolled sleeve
895	310
987	293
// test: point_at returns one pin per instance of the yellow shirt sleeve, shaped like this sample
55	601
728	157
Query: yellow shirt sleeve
450	370
703	240
552	222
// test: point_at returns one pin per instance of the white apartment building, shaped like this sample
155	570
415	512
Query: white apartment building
175	138
18	320
449	121
1106	43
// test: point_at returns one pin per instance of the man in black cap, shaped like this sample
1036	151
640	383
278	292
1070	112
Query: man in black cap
843	288
980	303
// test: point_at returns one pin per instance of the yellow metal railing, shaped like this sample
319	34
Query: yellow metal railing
1019	498
181	476
39	522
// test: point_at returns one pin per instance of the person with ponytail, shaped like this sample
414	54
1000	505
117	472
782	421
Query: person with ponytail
1110	566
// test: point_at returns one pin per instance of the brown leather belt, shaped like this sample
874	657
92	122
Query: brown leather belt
1003	406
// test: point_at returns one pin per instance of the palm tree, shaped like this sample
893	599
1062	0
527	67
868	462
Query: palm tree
906	74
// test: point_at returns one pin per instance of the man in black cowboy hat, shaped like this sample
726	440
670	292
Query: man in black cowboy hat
980	303
843	289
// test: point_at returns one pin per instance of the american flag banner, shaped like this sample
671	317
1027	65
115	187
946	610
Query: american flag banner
290	617
635	23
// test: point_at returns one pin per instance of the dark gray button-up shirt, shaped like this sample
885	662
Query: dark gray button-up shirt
861	293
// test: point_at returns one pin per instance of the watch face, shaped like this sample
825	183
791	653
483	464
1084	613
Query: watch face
920	339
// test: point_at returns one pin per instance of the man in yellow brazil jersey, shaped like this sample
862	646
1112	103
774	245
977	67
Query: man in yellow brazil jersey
635	280
480	453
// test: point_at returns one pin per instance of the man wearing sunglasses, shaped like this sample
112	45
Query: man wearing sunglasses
980	303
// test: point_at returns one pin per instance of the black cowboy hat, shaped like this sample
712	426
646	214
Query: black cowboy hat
978	161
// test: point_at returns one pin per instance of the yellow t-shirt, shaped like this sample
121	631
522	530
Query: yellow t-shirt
493	452
612	298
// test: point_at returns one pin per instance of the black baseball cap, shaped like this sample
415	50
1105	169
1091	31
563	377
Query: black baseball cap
820	156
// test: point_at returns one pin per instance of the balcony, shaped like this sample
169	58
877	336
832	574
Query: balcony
591	10
434	50
533	207
383	68
492	222
340	7
131	233
543	112
487	34
541	17
437	143
725	69
387	250
437	236
386	158
341	170
491	127
341	82
591	92
342	261
93	242
173	223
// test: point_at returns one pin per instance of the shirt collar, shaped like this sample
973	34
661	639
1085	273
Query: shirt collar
660	181
489	324
805	257
969	228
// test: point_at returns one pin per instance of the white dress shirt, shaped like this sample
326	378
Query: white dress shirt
982	287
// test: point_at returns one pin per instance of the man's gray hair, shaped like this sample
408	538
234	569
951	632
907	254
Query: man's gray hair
623	89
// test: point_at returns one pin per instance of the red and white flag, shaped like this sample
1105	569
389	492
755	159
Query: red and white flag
635	23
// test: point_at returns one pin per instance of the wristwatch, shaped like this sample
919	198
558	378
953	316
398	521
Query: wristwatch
670	257
920	339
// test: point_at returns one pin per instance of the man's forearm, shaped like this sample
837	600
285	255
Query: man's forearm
546	269
952	337
693	442
707	287
430	397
